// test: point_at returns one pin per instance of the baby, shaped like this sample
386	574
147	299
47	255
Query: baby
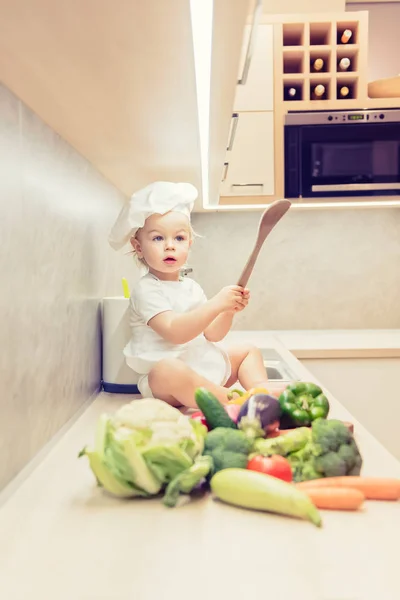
175	329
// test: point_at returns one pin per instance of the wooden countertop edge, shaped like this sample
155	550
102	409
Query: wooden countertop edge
310	353
327	343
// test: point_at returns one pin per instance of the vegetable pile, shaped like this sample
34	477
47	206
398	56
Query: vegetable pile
148	448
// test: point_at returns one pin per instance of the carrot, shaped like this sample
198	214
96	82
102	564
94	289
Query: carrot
335	498
373	488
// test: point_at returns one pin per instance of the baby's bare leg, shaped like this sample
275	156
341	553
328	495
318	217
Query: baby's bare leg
247	366
173	381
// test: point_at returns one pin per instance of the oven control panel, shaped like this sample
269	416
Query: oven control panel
336	117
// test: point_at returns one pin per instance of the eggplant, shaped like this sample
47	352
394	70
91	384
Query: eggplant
259	414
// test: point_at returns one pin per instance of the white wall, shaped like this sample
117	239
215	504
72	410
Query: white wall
384	38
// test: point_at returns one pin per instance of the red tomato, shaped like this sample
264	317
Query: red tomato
198	416
277	466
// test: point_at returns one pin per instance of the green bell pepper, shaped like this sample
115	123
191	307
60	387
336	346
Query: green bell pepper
301	404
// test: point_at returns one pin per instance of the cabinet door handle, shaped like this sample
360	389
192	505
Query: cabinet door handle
234	124
252	40
247	189
225	171
247	184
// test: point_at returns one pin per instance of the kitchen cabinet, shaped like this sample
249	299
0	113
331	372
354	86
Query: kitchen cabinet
257	93
285	46
249	161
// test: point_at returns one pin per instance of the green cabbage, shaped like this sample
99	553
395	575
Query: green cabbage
143	447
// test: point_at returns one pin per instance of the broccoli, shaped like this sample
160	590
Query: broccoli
302	463
330	434
332	452
330	463
228	448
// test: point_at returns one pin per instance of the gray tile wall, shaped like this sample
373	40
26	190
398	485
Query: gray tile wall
55	266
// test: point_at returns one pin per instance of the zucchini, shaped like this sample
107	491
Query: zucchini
212	409
250	489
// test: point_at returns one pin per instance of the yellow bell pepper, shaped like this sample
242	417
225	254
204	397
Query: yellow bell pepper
242	397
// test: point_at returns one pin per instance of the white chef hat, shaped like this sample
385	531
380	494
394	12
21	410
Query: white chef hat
159	197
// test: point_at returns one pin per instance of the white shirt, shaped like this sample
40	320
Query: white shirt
153	296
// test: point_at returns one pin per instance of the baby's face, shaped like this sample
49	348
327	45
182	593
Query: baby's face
164	243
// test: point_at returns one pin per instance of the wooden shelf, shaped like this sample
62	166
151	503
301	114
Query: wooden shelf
347	75
293	61
293	34
306	38
293	77
382	103
320	34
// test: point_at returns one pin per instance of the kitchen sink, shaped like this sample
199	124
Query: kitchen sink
273	373
277	367
278	370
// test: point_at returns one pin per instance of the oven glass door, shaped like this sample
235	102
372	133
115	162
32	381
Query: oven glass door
350	160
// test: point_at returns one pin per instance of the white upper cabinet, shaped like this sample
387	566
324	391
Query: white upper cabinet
257	93
249	163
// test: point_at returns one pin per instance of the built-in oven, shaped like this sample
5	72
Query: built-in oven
342	153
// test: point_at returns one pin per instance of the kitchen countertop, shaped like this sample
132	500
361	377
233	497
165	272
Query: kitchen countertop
63	539
328	343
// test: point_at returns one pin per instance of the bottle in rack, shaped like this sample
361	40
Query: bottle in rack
318	92
292	92
343	91
317	64
346	36
344	64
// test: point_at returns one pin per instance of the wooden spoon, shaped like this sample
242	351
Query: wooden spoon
270	217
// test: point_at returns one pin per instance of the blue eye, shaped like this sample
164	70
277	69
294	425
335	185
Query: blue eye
157	238
180	238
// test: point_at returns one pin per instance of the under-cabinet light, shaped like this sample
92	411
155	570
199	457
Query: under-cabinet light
295	205
202	27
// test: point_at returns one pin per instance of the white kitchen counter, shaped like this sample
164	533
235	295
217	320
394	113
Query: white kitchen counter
63	539
329	343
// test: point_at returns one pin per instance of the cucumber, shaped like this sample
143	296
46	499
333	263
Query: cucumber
250	489
212	409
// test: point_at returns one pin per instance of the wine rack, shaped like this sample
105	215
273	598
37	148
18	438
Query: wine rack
321	60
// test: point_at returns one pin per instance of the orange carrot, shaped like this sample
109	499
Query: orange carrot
373	488
333	498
